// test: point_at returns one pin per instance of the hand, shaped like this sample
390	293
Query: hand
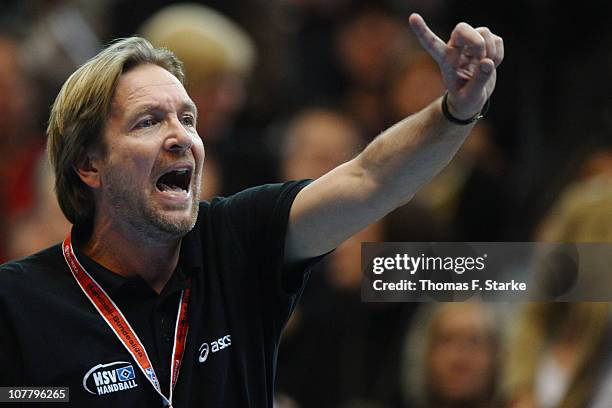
468	63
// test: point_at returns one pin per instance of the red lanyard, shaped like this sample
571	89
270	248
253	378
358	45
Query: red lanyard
119	325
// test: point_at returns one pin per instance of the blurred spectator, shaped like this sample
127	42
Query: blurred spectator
61	35
559	355
583	212
44	223
556	355
451	357
370	41
55	38
218	56
316	141
20	145
413	84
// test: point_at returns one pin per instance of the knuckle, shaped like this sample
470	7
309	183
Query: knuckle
463	27
484	30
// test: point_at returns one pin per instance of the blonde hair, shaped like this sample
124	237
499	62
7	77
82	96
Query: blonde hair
80	111
209	44
583	213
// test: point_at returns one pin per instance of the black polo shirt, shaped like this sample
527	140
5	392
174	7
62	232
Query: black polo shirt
241	297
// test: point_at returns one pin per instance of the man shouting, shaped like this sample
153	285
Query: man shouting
158	299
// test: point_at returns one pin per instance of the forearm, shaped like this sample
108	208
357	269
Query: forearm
409	154
384	176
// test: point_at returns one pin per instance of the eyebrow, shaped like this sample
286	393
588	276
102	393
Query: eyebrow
187	105
190	105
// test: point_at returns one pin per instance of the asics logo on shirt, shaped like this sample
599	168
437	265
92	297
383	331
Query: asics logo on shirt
213	347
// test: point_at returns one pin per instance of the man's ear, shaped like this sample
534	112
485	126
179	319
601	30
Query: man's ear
86	167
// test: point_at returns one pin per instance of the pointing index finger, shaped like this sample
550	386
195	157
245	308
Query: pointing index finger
428	39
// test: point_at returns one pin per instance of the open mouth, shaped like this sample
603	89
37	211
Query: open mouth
176	181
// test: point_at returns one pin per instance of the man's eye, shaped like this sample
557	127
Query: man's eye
188	120
145	123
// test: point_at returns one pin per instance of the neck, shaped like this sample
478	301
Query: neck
133	255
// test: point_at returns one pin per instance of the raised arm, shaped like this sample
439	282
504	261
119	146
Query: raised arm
402	159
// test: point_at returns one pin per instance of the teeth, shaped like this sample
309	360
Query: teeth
173	181
174	189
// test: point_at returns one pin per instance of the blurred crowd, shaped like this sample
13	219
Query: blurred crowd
289	89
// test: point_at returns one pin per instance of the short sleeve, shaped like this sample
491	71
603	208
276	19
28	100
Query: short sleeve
257	219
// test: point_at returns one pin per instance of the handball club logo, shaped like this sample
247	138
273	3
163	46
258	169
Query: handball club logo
108	378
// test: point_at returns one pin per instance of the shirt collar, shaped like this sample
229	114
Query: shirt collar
116	285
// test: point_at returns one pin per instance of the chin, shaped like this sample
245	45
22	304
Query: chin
162	226
164	229
181	225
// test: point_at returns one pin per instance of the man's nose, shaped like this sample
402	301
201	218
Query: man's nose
178	138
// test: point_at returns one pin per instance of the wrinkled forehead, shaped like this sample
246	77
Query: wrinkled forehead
148	84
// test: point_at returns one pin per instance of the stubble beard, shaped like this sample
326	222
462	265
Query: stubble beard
144	218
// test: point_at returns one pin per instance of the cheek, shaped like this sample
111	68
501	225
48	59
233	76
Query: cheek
129	165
